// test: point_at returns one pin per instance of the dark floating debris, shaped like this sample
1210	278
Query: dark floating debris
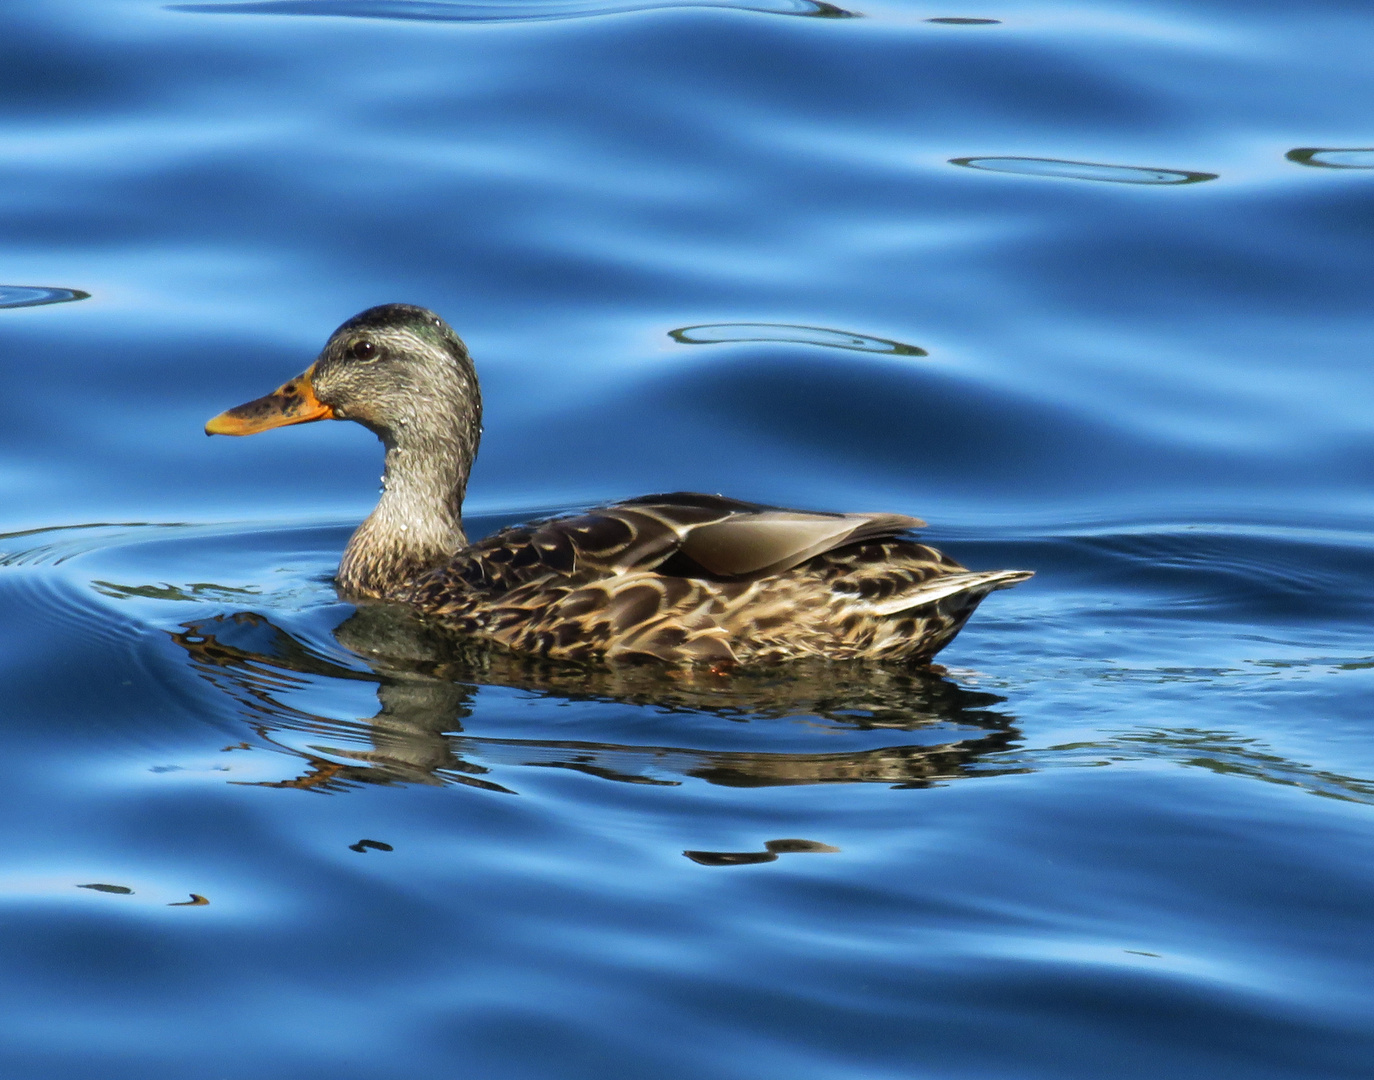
1333	158
730	858
1083	170
772	849
725	333
37	295
957	21
376	845
800	847
196	901
100	887
501	10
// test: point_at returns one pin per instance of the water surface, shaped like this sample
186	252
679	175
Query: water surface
1123	829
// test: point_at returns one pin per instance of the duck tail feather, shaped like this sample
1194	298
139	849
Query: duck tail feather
929	592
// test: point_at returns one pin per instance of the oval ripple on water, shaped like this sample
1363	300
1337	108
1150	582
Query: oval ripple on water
734	333
12	296
1083	170
514	11
1333	157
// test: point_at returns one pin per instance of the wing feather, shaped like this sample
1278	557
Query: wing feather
730	538
682	534
771	541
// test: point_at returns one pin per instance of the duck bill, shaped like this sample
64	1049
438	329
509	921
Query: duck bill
293	402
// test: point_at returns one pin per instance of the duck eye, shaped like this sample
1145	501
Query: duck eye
362	350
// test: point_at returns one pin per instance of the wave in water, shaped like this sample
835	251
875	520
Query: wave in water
1083	170
505	11
36	295
1333	157
729	333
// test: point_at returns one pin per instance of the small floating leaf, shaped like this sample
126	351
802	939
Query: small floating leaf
1333	158
100	887
501	10
196	901
723	333
955	21
376	845
1083	170
37	295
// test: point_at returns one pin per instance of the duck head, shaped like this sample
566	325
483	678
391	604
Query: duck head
401	372
389	368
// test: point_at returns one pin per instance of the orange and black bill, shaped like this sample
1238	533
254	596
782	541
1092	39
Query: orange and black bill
292	403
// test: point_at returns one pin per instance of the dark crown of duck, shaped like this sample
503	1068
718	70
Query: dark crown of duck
401	372
683	577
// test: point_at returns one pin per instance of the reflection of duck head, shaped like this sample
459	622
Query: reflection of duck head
427	683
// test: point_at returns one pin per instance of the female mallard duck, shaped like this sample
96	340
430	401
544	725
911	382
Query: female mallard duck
681	577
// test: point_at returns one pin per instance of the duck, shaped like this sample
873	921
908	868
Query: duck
681	579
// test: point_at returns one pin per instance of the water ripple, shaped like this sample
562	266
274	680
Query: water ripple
772	849
1229	753
1333	157
511	11
55	544
12	296
727	333
1083	170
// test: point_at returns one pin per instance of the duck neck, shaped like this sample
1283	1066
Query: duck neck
418	522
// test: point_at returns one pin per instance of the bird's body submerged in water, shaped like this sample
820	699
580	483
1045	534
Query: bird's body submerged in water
682	577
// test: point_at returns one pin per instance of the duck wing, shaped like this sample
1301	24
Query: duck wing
689	578
683	534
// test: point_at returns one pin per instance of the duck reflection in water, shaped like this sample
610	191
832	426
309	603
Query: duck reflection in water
428	682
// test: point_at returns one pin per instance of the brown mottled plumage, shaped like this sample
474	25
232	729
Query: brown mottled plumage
681	578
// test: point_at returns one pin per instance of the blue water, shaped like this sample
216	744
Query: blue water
1123	830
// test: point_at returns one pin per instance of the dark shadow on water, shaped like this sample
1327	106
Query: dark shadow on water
501	10
428	683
